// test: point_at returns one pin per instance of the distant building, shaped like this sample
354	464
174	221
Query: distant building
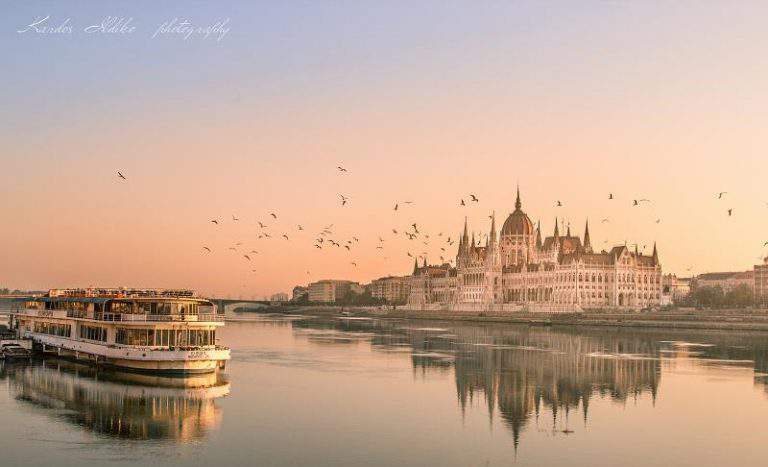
727	281
329	291
761	283
390	289
517	269
674	289
279	297
299	292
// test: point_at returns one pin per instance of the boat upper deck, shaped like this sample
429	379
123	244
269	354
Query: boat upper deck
123	305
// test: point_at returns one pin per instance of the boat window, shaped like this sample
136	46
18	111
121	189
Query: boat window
93	333
54	329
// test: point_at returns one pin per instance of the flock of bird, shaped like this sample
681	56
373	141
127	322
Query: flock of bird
326	239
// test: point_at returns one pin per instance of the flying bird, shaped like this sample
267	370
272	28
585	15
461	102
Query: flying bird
300	227
285	236
396	205
605	220
720	195
235	218
463	203
610	195
353	264
273	215
215	222
341	169
730	212
343	199
254	252
247	257
559	204
207	249
318	246
355	239
119	174
474	198
415	229
636	202
261	226
347	247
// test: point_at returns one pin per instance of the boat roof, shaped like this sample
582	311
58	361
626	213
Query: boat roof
111	299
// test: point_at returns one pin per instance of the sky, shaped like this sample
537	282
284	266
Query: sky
426	102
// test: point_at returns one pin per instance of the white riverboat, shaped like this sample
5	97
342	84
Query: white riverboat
147	330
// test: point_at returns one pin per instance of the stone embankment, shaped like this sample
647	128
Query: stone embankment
677	318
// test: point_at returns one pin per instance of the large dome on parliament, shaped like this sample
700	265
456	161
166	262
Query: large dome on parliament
517	223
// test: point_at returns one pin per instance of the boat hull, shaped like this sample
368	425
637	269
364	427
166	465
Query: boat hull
143	360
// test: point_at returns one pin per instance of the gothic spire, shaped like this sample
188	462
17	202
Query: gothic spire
655	254
538	234
587	241
518	204
415	266
425	261
557	230
493	228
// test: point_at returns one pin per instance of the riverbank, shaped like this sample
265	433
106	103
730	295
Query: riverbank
725	320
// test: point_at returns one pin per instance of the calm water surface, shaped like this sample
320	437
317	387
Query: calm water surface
318	391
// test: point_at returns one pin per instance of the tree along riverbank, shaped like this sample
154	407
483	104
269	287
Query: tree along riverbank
678	318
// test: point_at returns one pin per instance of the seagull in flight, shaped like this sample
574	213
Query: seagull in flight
318	246
341	169
207	249
396	205
463	203
605	220
353	264
119	174
636	202
274	216
343	199
730	212
215	221
300	227
474	198
610	195
285	236
247	257
415	229
235	218
720	195
559	204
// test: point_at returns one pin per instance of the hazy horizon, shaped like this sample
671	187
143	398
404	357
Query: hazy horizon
424	102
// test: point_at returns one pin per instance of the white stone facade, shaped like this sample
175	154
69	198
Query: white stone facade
519	271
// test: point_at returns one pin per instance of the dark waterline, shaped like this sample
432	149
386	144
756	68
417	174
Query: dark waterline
321	391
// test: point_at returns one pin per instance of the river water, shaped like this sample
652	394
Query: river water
319	391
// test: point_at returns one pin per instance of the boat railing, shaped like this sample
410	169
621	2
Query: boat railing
123	317
129	317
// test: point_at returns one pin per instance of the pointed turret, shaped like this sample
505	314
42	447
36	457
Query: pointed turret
493	228
425	261
415	266
518	204
557	229
568	230
538	235
473	240
587	241
655	254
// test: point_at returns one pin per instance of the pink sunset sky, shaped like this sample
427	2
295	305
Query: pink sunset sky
425	103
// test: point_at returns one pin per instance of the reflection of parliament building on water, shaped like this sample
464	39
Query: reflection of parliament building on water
519	270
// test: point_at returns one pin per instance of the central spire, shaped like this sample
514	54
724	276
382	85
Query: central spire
518	204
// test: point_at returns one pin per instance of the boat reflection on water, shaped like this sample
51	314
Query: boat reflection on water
121	405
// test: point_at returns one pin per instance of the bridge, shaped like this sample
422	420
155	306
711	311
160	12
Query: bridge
225	304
